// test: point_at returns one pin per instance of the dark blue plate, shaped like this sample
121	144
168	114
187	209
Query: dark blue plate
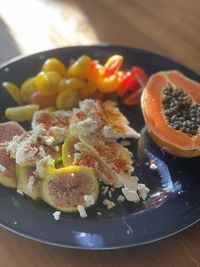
174	201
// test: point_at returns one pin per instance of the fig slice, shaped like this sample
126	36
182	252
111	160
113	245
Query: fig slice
26	181
68	149
65	188
7	172
8	130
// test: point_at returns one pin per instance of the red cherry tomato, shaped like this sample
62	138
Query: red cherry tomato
44	101
132	80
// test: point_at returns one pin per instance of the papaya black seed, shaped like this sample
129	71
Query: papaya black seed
180	110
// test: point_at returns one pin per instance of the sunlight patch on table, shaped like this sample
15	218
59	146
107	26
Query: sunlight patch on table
40	25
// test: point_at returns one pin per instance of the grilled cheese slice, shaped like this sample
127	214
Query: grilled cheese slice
101	117
51	119
114	161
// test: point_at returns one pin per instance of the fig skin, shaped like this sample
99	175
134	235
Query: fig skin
23	174
64	189
8	177
68	149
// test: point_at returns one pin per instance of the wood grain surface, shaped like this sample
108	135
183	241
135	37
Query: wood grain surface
170	28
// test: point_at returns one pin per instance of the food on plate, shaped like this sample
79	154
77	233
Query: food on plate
7	169
171	107
27	182
66	188
8	130
22	113
66	155
62	87
14	91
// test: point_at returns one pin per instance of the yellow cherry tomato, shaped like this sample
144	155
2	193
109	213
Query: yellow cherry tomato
87	90
67	99
13	91
80	68
109	84
47	82
27	89
70	84
53	64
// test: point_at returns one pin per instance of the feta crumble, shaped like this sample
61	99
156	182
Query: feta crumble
2	168
153	165
120	198
56	215
57	148
143	191
89	200
105	190
19	191
31	181
41	153
130	195
49	140
82	211
42	165
109	204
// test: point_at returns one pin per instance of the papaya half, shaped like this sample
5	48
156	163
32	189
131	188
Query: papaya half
170	104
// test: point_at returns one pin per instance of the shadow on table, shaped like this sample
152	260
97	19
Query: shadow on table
8	45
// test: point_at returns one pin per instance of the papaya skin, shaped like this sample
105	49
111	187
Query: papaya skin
174	142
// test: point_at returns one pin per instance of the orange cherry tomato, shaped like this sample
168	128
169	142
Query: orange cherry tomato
44	101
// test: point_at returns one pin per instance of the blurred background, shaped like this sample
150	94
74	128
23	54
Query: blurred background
170	28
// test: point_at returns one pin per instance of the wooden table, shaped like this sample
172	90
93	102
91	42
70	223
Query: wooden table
170	28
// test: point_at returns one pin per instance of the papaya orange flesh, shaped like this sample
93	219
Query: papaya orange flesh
175	142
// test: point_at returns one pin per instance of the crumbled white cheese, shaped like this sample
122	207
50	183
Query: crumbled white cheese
130	195
82	211
25	153
129	182
109	204
125	143
41	153
13	146
105	190
86	105
42	165
120	198
39	132
89	200
56	215
59	134
153	166
49	140
84	127
30	184
143	191
2	168
110	194
99	213
77	157
57	148
19	191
